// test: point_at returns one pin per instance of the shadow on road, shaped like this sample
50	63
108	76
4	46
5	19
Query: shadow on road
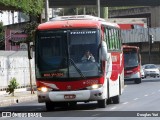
22	108
81	106
42	108
151	80
143	80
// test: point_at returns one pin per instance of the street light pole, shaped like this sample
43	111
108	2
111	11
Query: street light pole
98	7
46	10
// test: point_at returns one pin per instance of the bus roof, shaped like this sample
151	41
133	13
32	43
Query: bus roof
76	21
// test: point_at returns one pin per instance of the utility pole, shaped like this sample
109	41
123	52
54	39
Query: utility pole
104	12
46	10
77	11
84	11
151	41
30	56
149	52
30	75
98	7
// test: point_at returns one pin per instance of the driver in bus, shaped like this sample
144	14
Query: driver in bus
88	57
132	61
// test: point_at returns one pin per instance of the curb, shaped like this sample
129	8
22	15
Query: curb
15	100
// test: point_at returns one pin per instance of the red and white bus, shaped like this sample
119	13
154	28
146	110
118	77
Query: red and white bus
62	77
132	63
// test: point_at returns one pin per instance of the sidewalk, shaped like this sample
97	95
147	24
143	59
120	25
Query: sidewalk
20	95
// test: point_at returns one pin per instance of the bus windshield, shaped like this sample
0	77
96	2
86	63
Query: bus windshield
131	59
60	53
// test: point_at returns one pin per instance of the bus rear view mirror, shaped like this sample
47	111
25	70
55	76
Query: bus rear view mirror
103	51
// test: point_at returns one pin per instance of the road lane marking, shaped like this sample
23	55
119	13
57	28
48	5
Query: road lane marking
153	93
136	99
95	114
125	103
113	108
39	108
146	95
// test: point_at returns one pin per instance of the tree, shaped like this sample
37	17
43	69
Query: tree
12	86
29	29
28	6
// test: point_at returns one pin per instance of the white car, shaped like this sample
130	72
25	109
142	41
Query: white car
151	70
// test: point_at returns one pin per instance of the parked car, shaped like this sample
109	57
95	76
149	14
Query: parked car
142	73
151	70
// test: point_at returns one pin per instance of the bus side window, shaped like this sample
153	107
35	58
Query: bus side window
110	39
113	39
120	39
106	34
117	39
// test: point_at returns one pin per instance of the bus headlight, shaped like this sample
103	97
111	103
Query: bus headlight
94	86
44	89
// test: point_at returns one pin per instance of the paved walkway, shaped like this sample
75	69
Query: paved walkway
20	95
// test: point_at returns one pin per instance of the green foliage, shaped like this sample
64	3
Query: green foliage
28	6
2	41
1	31
29	29
12	86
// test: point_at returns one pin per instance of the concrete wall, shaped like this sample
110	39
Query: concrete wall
15	64
139	37
129	12
155	16
151	13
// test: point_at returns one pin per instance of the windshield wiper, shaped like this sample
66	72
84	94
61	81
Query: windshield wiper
78	70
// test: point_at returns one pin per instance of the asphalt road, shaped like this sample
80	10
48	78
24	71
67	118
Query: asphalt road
137	101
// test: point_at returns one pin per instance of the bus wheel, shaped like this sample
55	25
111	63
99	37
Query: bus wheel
109	101
102	103
50	106
116	99
72	104
137	81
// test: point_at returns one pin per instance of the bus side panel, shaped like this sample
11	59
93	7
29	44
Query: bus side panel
116	79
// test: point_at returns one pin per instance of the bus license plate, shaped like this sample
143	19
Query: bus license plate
69	96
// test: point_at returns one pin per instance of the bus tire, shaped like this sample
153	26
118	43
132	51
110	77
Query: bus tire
72	104
137	81
102	103
50	106
109	101
120	91
116	99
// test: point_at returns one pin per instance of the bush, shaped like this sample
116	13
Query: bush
12	86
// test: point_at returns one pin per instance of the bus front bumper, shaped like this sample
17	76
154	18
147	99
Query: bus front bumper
65	96
132	76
